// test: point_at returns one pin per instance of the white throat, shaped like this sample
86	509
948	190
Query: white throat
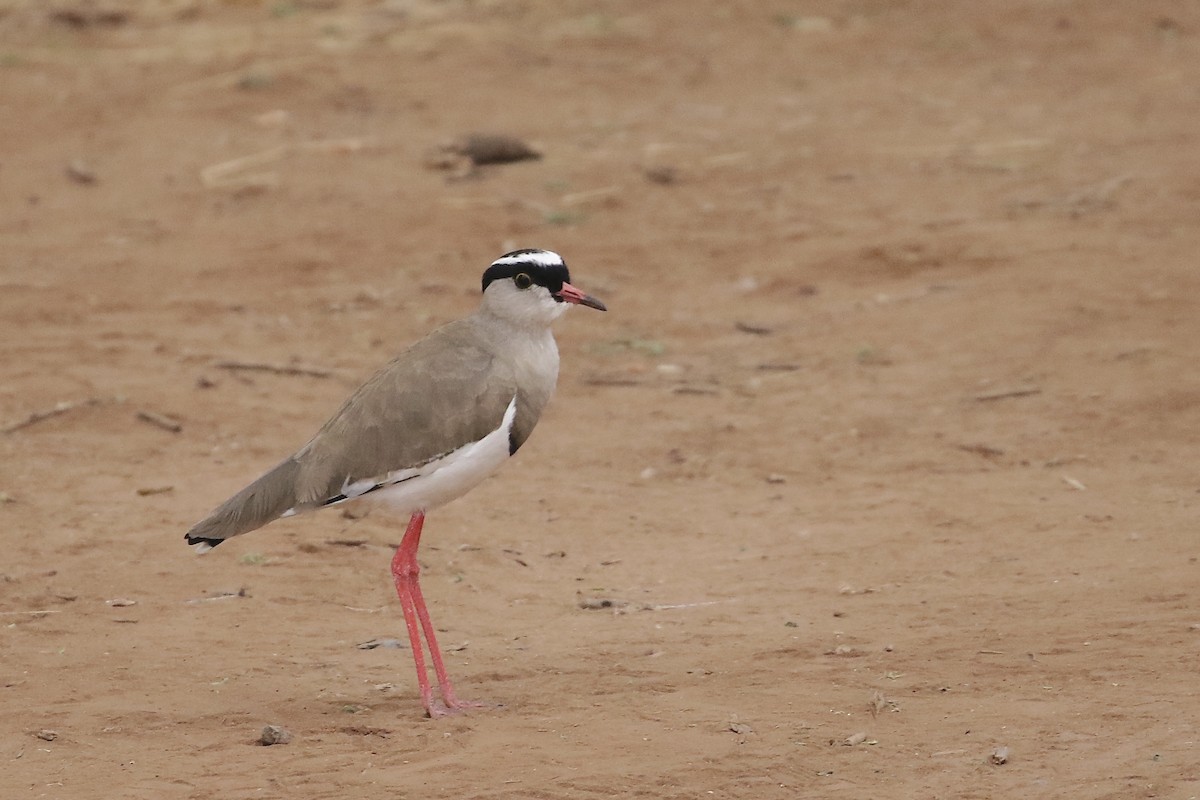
533	308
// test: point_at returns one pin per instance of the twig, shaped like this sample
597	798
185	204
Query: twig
605	380
241	592
278	369
672	606
221	174
750	327
34	613
1002	394
160	420
234	171
981	449
1074	484
614	604
59	408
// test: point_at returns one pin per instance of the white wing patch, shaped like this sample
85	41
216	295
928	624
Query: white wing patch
437	481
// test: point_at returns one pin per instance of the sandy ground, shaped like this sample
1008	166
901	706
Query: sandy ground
884	454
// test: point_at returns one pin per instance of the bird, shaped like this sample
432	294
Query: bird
424	430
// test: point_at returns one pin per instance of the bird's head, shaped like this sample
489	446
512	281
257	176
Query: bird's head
532	287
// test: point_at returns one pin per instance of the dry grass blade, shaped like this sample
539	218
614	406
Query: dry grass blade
1003	394
160	421
236	171
753	328
58	409
225	172
610	380
985	450
672	606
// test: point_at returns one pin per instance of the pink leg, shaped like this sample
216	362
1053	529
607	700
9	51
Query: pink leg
406	572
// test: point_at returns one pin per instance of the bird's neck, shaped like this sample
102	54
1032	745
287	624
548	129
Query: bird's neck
530	348
517	327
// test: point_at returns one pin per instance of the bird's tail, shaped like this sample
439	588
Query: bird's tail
265	500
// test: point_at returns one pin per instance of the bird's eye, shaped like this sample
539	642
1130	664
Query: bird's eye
523	280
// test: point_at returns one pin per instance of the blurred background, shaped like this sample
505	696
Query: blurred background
877	477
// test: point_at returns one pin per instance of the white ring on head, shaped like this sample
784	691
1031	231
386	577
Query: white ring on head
543	258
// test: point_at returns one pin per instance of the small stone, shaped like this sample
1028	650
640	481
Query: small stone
661	174
80	172
274	734
843	650
999	756
378	643
47	735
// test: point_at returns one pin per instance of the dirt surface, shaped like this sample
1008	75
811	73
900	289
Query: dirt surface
885	453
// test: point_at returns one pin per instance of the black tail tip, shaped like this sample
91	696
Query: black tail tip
202	544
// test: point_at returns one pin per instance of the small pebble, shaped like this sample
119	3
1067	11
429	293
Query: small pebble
662	174
377	643
80	172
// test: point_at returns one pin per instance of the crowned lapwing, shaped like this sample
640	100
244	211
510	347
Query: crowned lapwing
425	429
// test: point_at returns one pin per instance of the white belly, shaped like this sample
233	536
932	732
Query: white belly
451	476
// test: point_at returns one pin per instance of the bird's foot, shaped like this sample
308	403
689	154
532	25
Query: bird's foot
448	706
